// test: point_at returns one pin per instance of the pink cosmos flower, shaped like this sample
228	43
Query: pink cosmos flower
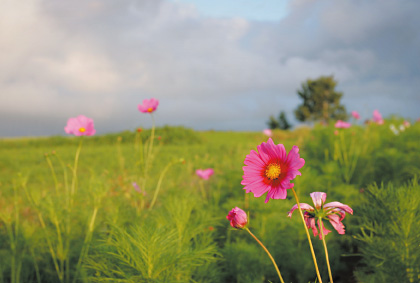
80	126
148	106
355	115
268	133
342	124
270	170
377	117
238	218
334	212
204	173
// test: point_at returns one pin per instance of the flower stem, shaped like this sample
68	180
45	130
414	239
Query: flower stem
268	253
309	236
160	181
325	248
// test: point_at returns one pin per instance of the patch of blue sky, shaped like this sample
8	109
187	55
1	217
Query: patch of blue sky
257	10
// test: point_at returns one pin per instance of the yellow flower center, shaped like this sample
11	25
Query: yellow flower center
150	109
273	171
82	130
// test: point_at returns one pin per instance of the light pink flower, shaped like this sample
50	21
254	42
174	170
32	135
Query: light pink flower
336	132
148	106
268	133
334	212
204	173
342	124
270	170
406	124
355	115
377	117
238	218
80	126
137	188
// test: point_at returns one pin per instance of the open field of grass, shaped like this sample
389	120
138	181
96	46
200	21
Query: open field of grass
119	212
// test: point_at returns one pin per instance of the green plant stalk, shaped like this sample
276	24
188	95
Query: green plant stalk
309	237
325	249
268	253
47	158
68	211
86	243
41	221
38	275
74	180
202	189
160	181
149	151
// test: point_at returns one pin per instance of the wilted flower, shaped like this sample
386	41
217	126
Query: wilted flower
204	173
342	124
268	133
148	106
334	212
377	117
270	170
80	126
238	218
355	115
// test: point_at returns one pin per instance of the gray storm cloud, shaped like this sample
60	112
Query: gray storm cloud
102	58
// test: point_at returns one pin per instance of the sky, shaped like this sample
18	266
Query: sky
213	65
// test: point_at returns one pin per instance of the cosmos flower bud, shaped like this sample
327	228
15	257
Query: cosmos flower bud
238	218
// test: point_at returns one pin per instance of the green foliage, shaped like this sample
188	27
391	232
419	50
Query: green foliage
187	236
390	229
320	101
281	123
169	246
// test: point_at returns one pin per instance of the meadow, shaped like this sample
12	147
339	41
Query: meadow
112	208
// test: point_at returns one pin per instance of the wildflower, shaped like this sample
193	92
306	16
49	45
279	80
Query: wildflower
139	130
377	117
148	106
401	128
204	173
238	218
80	126
341	124
268	133
336	132
394	129
270	170
406	124
355	115
333	212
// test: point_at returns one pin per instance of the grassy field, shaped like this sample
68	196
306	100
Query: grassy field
67	220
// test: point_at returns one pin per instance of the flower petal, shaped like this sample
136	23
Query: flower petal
318	199
336	204
303	206
336	223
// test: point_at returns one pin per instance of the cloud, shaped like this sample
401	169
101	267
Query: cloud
102	58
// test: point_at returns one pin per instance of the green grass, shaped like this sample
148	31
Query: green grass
107	231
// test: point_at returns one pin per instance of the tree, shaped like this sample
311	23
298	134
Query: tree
280	123
283	123
320	101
